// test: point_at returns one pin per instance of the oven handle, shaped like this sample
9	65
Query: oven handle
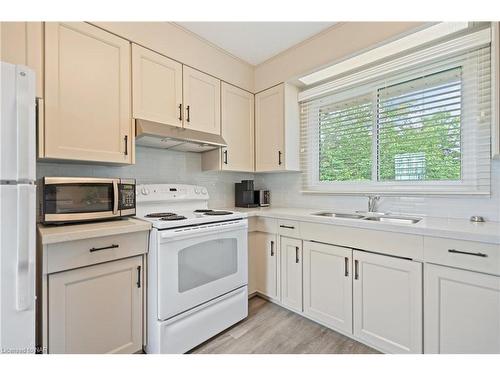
116	197
190	232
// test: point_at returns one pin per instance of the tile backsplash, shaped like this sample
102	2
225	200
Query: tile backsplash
163	166
158	166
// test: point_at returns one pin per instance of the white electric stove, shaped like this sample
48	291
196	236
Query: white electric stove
197	266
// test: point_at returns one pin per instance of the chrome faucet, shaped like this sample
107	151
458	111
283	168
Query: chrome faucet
373	202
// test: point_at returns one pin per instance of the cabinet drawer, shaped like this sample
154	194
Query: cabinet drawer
475	256
289	228
262	224
73	254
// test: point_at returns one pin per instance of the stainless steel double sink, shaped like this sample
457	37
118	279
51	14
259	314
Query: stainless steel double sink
384	218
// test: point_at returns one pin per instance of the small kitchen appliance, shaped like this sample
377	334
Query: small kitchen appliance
244	194
80	199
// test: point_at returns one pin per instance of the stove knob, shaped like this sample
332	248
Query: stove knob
145	191
204	191
197	191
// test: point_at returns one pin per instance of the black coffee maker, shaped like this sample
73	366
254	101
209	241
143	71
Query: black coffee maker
244	194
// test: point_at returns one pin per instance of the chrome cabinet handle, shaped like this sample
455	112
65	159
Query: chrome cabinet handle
180	112
467	253
225	157
188	116
114	246
287	226
296	254
346	267
356	270
279	157
272	248
138	276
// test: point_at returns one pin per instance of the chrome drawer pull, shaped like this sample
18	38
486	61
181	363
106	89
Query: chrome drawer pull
287	226
104	248
467	253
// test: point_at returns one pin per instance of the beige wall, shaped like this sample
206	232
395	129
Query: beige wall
339	41
185	47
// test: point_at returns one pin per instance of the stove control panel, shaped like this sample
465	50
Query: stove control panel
170	192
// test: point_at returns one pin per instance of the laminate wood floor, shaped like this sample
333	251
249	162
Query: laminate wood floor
271	329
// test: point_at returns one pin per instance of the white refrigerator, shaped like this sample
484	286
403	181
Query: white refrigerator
17	209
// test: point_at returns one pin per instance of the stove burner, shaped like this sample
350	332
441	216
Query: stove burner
174	217
160	214
215	213
204	211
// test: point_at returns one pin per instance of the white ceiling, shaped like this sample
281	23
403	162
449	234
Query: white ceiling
255	42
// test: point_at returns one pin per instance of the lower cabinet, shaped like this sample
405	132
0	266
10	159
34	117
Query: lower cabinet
97	309
291	273
264	273
462	311
328	285
387	302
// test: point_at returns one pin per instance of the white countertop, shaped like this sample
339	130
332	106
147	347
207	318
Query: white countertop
461	229
51	234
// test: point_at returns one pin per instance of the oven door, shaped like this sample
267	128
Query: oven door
196	265
68	199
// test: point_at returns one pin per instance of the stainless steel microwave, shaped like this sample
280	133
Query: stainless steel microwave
79	199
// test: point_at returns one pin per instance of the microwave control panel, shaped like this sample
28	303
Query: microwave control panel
127	196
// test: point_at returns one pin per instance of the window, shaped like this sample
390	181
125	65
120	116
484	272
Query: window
418	129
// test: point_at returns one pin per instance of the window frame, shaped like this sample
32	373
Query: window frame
397	187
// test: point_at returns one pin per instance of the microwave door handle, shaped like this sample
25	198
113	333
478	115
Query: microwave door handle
115	194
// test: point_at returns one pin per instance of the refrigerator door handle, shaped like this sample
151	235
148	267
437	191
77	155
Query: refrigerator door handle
25	247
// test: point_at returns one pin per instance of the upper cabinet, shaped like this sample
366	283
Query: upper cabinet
237	124
201	93
22	43
157	87
87	94
277	129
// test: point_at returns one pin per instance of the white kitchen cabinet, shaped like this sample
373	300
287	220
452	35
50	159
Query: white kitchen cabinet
387	302
291	273
157	87
237	126
462	311
87	94
265	251
328	285
97	309
201	98
277	129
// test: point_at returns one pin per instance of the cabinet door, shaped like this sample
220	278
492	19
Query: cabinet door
97	309
157	87
387	299
22	43
462	311
87	94
201	101
291	273
269	130
237	129
266	253
328	285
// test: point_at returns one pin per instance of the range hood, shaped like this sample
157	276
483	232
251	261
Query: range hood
154	134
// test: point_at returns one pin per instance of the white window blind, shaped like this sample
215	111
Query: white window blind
419	130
